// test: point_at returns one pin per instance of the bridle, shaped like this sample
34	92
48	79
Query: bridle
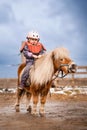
60	70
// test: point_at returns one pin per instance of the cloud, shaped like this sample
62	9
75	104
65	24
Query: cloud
60	23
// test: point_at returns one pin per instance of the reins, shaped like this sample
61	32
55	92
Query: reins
59	70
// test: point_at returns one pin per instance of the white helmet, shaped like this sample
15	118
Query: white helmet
33	34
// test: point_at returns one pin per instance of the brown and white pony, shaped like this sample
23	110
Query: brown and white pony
41	75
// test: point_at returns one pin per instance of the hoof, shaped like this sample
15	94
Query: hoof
29	109
17	108
34	113
42	114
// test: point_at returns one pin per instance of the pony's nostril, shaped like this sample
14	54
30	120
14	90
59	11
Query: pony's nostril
73	65
73	68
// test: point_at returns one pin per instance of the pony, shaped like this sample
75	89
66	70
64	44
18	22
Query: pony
41	77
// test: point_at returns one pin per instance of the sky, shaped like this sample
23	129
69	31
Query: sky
58	22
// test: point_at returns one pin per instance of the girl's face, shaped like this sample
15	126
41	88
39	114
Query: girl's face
33	41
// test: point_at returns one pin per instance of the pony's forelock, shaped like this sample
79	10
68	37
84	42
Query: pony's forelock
61	53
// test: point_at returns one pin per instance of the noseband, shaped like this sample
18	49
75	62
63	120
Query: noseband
60	70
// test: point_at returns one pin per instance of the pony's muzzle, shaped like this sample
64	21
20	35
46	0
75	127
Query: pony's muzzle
73	68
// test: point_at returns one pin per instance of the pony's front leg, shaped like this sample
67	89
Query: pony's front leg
35	101
18	97
42	104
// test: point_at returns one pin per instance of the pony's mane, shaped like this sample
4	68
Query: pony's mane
43	69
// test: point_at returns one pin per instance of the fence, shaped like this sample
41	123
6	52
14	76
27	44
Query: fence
8	83
78	79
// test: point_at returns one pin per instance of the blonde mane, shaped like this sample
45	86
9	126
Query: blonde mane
43	69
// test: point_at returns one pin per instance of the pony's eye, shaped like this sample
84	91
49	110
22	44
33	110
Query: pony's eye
61	59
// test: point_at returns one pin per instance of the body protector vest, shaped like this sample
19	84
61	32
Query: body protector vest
35	48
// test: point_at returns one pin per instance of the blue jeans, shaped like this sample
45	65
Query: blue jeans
25	74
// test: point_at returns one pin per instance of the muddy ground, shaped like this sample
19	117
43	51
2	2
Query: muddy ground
62	113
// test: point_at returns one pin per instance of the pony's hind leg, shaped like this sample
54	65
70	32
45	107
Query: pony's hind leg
28	96
19	94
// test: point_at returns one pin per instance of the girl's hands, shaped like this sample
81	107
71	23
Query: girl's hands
37	57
